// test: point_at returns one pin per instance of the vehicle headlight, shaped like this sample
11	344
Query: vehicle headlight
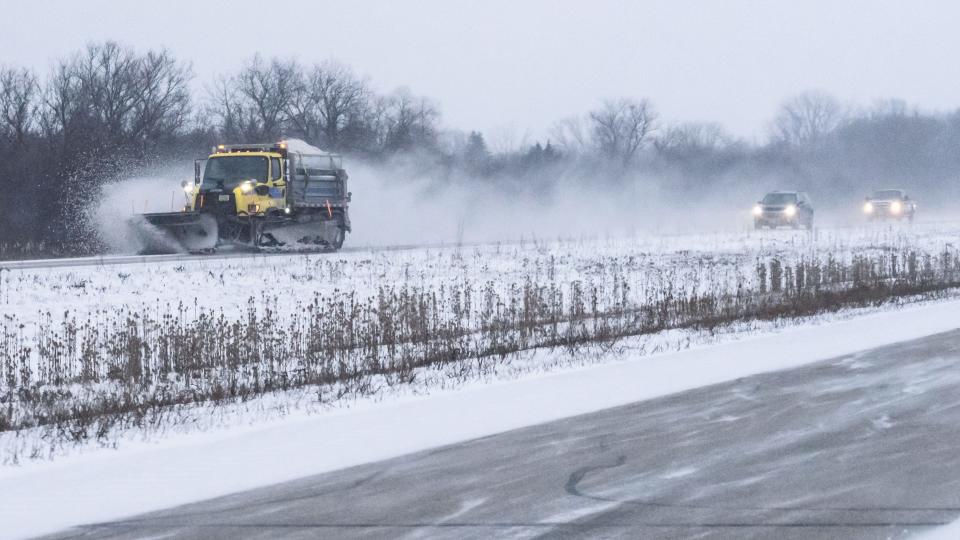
868	208
790	210
189	187
246	187
757	210
896	207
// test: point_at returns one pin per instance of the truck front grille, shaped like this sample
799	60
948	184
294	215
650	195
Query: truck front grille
210	202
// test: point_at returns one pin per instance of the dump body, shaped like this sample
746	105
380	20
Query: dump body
318	181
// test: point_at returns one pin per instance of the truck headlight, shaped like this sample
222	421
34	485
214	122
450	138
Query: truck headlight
757	210
790	210
896	207
246	187
868	208
188	187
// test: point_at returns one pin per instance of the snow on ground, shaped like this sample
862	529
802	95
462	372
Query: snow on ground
947	532
707	262
43	497
230	455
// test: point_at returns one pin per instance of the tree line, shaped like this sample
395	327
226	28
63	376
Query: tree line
109	110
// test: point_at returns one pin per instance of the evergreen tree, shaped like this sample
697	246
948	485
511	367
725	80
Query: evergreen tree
476	156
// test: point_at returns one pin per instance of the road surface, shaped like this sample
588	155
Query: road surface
243	253
250	254
863	446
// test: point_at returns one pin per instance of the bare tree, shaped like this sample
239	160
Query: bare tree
506	140
19	99
889	107
806	118
254	103
269	89
231	112
330	106
163	105
110	85
110	94
620	128
571	135
409	121
63	109
692	137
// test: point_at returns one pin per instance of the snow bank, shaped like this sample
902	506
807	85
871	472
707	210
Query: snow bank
108	485
297	145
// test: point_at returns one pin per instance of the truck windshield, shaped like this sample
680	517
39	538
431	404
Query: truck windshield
229	172
780	198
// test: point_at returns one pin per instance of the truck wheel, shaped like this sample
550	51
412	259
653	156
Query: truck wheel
338	240
341	234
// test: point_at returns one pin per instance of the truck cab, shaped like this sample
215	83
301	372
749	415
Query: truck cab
240	183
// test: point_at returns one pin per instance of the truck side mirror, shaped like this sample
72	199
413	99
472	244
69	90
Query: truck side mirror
197	169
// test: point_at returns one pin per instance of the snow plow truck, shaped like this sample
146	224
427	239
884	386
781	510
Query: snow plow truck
258	196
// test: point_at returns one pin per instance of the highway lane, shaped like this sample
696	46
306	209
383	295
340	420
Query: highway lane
243	253
862	446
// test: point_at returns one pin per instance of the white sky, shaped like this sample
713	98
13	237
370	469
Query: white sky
502	66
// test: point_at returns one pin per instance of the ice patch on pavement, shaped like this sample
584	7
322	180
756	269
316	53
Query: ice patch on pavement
465	507
860	364
578	513
679	473
882	422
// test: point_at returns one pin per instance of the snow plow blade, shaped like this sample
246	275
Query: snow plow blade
176	232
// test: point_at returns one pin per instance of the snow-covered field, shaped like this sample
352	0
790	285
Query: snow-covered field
93	343
68	323
70	317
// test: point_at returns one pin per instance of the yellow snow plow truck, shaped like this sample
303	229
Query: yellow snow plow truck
256	195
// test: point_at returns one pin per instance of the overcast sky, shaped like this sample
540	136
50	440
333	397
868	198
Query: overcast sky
502	66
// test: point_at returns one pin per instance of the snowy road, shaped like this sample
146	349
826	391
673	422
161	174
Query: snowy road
936	231
862	446
115	260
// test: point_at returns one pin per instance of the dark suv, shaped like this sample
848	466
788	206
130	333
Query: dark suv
790	208
889	204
